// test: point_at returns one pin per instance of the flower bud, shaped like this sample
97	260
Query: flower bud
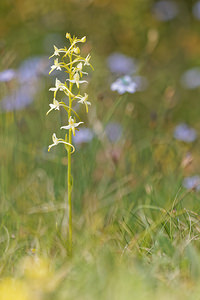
83	40
77	50
68	36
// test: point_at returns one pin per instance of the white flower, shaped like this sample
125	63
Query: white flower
124	84
85	60
56	66
57	51
82	59
86	63
79	68
56	141
60	86
76	50
76	80
55	105
83	100
72	125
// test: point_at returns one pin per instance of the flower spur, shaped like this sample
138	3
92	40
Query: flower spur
60	86
57	141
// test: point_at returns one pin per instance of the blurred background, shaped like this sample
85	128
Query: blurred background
137	165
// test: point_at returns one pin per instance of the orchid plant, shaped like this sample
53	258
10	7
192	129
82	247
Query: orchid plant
71	62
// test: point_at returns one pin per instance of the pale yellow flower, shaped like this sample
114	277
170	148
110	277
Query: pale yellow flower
85	60
56	141
57	51
83	100
76	80
72	125
56	66
55	106
76	50
60	86
79	68
86	63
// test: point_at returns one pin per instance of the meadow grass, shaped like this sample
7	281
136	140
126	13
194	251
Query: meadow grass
136	228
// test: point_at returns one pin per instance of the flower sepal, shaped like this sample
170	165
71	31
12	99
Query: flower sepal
57	141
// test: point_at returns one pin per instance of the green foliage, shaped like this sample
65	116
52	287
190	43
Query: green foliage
136	229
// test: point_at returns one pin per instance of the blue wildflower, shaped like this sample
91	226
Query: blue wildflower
185	133
83	135
192	182
191	78
113	131
121	64
165	10
7	75
33	67
19	99
196	10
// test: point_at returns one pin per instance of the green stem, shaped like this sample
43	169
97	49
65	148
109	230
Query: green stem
69	179
70	196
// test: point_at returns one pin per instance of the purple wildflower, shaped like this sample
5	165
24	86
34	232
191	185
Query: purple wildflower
192	182
83	135
113	131
7	75
185	133
19	99
196	10
121	64
191	78
165	10
33	67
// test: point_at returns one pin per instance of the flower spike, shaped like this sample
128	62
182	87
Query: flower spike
71	62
